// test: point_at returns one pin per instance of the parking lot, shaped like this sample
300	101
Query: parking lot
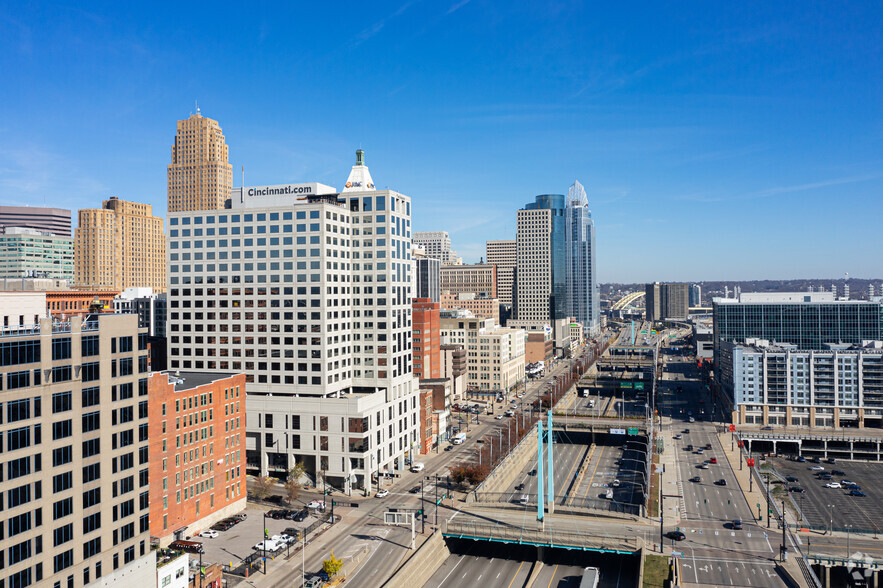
859	512
236	544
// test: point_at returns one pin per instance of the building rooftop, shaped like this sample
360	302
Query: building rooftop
791	297
189	380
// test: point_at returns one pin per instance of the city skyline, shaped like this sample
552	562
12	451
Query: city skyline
724	135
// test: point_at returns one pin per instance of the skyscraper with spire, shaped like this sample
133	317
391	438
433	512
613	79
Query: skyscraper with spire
200	176
583	291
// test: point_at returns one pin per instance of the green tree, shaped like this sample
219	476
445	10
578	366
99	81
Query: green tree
262	487
332	565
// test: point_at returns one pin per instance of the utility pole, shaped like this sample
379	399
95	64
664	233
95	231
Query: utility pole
422	507
784	545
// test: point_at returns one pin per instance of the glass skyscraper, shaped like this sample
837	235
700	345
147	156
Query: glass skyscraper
581	278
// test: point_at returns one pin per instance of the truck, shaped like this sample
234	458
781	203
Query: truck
459	438
590	578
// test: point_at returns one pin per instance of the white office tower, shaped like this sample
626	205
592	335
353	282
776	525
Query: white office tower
307	291
870	291
583	290
437	245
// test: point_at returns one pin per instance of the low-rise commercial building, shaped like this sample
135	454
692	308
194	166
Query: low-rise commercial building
477	304
477	278
28	253
197	444
494	355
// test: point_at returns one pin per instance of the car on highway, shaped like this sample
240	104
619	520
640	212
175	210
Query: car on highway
382	494
833	485
721	482
314	582
767	428
676	535
856	493
797	489
519	487
414	490
616	483
704	465
737	525
713	460
687	431
209	534
695	479
817	468
791	479
700	451
679	436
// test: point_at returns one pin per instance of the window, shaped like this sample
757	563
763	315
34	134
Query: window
18	380
61	348
18	496
91	421
63	534
91	447
61	482
91	497
19	352
62	508
89	345
91	548
91	472
17	468
90	372
61	429
91	523
61	402
64	560
18	410
91	396
18	438
19	524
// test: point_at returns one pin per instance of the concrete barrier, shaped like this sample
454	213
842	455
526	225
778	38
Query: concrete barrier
534	573
502	477
420	567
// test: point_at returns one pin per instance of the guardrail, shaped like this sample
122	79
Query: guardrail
513	497
502	533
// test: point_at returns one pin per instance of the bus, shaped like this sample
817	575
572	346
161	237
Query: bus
459	438
590	578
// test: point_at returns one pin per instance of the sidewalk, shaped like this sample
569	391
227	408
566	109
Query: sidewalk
670	508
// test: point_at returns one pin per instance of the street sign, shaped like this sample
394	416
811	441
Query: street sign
633	431
639	385
617	431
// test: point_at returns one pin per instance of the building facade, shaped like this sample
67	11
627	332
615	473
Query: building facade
477	278
32	253
840	386
477	305
118	246
695	295
76	452
426	339
503	254
454	368
197	448
53	220
667	301
582	287
310	297
495	356
200	176
427	277
437	245
540	267
67	303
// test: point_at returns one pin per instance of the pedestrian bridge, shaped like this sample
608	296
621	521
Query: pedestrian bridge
550	538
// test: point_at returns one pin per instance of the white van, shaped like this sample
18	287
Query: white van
609	494
524	499
417	467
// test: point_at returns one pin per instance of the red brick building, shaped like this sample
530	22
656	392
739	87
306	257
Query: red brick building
197	451
426	338
426	436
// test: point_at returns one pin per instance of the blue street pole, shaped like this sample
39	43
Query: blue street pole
551	474
540	505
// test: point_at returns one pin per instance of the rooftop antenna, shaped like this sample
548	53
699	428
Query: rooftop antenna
196	102
242	189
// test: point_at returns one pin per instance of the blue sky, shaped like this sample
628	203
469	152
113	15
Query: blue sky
715	140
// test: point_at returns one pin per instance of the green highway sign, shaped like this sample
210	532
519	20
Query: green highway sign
639	386
633	431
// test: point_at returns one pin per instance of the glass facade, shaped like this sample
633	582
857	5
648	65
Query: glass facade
581	280
558	298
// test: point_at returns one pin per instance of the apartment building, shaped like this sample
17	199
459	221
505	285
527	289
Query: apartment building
667	301
197	448
76	459
840	385
425	339
118	246
495	356
476	278
200	176
306	291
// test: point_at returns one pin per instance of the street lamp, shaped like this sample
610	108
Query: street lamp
847	542
831	509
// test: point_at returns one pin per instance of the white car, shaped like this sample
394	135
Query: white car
209	534
317	504
817	468
704	466
833	485
382	494
499	417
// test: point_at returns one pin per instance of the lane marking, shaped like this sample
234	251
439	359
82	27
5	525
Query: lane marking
509	585
552	579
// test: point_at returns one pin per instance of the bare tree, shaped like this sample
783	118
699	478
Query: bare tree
262	487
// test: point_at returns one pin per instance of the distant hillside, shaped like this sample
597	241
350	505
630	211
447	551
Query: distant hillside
858	287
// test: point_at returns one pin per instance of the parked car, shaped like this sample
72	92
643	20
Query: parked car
414	490
449	447
817	468
209	534
267	545
852	486
838	472
676	535
800	459
791	479
222	526
830	460
856	493
817	459
833	485
847	482
679	436
616	483
687	431
316	504
301	515
797	489
382	493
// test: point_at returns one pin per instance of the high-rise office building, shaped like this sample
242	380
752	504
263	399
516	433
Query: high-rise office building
503	255
307	291
437	245
540	260
695	295
54	220
75	458
667	301
118	246
427	276
200	176
583	289
32	253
